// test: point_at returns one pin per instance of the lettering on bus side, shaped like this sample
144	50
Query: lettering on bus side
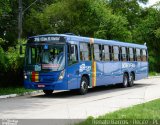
128	65
83	67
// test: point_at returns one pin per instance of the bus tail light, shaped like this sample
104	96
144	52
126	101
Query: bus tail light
61	76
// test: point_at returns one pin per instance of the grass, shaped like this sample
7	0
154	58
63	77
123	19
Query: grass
149	110
16	90
153	74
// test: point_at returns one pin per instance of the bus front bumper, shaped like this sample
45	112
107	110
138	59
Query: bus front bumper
58	85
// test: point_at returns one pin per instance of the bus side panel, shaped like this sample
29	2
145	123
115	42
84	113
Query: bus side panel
117	72
108	70
73	76
141	70
99	73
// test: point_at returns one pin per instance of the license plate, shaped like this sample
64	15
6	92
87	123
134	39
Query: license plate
41	86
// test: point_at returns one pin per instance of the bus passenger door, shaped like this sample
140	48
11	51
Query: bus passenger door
73	66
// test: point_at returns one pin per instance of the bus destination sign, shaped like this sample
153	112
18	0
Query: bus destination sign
47	39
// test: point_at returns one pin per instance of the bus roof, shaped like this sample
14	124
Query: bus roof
98	41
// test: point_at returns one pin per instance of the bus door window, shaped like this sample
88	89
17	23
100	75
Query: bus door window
97	52
115	53
85	52
72	54
124	57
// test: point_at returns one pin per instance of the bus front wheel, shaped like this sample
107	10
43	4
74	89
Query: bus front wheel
125	81
48	92
83	86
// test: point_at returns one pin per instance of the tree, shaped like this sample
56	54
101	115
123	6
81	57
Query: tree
148	31
82	17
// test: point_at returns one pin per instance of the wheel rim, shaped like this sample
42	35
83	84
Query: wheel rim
131	82
83	85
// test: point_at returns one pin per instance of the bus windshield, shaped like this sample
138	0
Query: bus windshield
46	57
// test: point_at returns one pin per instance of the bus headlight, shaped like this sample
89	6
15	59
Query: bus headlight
25	75
61	76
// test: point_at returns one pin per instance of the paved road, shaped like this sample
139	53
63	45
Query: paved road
68	105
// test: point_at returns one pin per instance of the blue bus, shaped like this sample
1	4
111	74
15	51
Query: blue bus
68	62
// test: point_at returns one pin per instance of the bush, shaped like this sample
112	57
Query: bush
11	67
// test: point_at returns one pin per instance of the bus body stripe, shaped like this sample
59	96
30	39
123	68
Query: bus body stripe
93	77
93	73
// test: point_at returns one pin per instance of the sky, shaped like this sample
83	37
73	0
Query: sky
150	3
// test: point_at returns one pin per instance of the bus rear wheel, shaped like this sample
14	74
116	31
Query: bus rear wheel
125	81
131	82
83	86
48	92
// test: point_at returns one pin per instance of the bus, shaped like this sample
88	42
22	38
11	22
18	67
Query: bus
70	62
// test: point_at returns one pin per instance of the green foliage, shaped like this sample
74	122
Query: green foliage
14	90
82	17
123	20
148	31
149	110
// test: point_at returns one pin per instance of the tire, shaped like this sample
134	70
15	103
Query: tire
125	81
131	81
48	92
83	86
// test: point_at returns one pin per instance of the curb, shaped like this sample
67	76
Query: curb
22	94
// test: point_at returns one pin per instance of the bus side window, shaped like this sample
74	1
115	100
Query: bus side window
97	52
124	57
134	54
131	56
84	52
144	55
127	54
72	54
115	53
120	54
106	54
138	54
111	53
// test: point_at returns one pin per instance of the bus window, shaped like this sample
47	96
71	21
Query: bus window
138	55
134	54
97	54
111	52
72	54
115	53
106	55
127	54
84	52
131	56
144	55
124	57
